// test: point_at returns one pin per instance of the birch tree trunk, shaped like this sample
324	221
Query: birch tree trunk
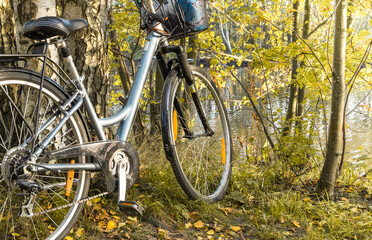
7	28
327	179
89	46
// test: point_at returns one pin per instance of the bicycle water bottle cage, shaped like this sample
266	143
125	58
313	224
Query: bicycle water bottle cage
47	27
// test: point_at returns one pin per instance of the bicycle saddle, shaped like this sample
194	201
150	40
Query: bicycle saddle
47	27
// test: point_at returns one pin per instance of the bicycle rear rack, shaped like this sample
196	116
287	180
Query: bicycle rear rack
36	50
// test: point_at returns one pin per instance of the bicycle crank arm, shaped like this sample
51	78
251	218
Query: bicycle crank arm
129	207
93	167
105	154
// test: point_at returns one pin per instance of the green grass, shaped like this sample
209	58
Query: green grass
259	205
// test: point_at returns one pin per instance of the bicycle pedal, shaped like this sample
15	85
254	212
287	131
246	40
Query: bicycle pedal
131	208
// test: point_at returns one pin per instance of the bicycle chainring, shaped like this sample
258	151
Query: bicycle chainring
114	154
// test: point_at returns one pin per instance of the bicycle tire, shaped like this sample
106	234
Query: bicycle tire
22	86
202	164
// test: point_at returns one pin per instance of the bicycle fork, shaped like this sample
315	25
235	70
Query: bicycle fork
189	78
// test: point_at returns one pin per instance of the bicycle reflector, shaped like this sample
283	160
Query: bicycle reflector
223	151
175	124
69	180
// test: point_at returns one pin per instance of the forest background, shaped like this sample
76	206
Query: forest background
299	171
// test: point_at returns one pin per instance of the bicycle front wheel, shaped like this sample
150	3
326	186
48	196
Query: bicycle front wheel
200	161
50	208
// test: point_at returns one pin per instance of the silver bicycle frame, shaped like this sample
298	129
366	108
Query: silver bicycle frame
126	115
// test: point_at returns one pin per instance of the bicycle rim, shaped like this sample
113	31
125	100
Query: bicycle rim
202	163
55	188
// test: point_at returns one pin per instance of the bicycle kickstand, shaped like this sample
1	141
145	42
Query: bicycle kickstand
129	207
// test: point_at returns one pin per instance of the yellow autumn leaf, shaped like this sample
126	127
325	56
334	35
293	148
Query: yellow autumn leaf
235	228
96	200
111	225
101	223
68	238
79	232
188	225
210	232
199	224
133	219
296	224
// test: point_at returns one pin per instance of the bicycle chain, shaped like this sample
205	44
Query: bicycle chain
70	204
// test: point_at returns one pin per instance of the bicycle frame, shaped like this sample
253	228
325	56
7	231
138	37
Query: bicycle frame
126	115
28	163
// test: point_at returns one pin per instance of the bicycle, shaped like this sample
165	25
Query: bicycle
46	150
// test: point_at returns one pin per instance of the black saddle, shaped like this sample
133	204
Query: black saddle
47	27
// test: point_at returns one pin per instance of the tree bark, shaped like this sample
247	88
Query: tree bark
327	179
350	14
89	47
155	103
125	77
7	28
292	102
301	90
192	44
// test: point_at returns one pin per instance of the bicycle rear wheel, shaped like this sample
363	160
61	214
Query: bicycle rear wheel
201	162
19	91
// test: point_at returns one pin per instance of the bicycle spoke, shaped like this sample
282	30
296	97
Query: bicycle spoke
202	164
33	225
26	105
13	126
4	205
17	111
50	218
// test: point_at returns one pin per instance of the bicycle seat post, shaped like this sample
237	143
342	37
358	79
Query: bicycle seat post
83	91
67	56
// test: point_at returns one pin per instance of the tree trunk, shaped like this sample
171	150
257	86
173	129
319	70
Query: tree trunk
138	127
192	44
350	15
292	103
89	47
334	147
301	90
225	36
7	28
156	98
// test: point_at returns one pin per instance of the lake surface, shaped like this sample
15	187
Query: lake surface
358	123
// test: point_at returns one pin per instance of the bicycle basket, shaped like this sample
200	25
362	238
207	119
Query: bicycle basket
184	17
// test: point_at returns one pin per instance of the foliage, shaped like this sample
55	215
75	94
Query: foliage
269	193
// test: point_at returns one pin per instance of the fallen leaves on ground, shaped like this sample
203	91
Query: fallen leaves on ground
199	224
235	228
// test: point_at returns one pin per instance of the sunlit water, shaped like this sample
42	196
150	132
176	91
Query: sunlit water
358	123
